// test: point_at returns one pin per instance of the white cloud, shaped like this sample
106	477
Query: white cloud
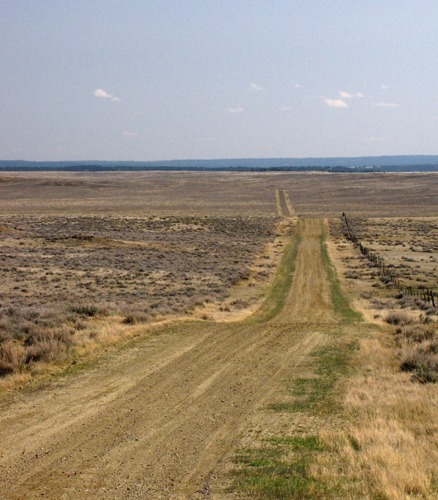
384	87
285	108
347	95
255	88
387	105
239	109
126	133
336	103
297	86
105	95
102	93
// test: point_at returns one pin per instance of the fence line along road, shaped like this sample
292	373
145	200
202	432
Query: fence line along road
421	292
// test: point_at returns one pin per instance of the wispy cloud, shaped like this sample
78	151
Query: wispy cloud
347	95
238	109
129	134
253	87
285	108
297	86
376	139
336	103
384	87
105	95
387	105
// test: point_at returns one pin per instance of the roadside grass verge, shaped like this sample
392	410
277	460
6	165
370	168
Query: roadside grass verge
389	441
341	303
277	295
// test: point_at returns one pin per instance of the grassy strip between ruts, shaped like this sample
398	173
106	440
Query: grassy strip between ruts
277	294
286	466
340	301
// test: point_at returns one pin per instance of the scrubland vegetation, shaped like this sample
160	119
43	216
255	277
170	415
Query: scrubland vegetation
190	193
409	247
65	277
390	399
328	391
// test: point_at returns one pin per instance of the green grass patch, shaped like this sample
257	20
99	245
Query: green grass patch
280	466
314	395
279	290
299	443
340	301
281	469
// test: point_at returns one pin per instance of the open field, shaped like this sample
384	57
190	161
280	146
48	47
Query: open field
175	193
391	440
408	245
63	277
160	419
320	390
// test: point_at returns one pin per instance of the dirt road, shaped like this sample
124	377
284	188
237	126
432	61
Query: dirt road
283	207
158	420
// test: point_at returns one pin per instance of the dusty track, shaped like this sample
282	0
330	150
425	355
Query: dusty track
283	207
158	420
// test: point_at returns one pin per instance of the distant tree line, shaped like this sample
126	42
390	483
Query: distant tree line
102	167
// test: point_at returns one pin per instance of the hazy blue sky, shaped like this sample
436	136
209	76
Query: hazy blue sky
149	80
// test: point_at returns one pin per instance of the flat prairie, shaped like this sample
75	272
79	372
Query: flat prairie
214	335
223	193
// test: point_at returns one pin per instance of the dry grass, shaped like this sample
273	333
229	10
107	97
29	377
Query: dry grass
217	193
392	239
69	274
64	277
408	245
392	442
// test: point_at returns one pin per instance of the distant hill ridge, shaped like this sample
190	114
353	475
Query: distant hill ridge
360	163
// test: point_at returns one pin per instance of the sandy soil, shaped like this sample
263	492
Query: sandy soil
160	419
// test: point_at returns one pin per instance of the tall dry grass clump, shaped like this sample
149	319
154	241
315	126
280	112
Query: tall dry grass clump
391	445
12	357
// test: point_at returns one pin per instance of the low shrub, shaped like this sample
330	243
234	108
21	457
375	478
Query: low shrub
89	310
424	366
49	350
398	318
416	333
135	318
